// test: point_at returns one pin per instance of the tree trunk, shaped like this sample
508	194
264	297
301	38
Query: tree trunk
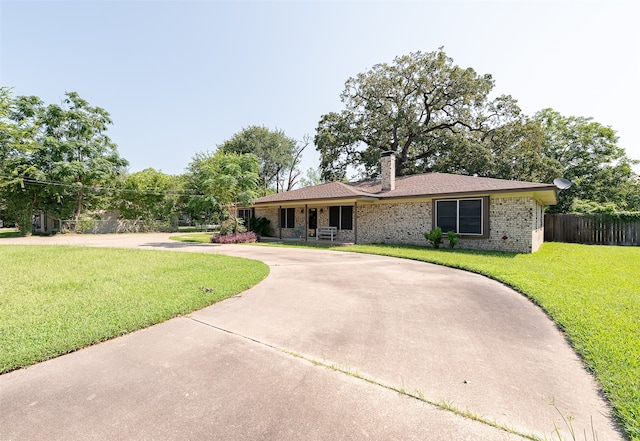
233	213
79	206
23	219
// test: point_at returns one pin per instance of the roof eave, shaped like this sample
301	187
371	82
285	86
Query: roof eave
546	195
315	201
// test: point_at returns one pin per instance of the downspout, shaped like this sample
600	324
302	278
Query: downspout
280	222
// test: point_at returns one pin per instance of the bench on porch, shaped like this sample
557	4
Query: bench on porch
327	233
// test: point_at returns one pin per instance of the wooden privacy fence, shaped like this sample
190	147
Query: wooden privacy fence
590	229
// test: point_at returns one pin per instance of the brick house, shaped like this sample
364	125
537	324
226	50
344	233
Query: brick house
489	214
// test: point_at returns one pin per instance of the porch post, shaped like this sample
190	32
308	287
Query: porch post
355	222
306	223
280	222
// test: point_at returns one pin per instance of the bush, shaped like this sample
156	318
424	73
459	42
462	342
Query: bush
23	222
260	225
151	225
227	227
453	238
248	237
85	224
434	237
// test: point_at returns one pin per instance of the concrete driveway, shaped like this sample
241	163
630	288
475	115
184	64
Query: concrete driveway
320	350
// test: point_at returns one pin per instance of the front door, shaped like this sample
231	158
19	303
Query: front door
313	222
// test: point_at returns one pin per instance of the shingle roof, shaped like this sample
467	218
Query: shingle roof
443	183
330	190
424	185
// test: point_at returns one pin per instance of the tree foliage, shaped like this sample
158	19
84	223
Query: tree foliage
313	176
516	153
55	158
422	107
16	148
586	153
220	182
278	155
150	195
77	152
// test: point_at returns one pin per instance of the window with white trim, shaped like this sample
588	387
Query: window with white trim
462	216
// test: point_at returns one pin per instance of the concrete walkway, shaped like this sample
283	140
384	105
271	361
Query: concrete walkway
288	359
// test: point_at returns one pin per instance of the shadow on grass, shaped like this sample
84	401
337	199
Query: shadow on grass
7	233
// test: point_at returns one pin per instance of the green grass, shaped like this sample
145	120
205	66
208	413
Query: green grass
193	237
187	229
9	232
54	300
591	292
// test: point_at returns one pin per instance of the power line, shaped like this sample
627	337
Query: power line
98	188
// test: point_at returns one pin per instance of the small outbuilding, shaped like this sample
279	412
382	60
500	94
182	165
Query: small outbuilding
45	224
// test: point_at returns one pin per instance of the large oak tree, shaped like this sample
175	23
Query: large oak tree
420	107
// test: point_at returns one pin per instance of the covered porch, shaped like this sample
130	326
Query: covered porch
327	221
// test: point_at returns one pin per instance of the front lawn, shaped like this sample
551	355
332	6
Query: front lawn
591	292
193	237
54	300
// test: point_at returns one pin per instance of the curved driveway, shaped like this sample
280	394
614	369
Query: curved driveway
315	351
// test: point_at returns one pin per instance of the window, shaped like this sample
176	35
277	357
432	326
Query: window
462	216
287	218
341	217
245	213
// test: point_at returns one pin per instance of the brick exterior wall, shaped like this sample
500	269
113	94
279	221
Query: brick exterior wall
394	223
516	224
272	215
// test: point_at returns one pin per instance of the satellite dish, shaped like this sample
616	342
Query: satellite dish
562	183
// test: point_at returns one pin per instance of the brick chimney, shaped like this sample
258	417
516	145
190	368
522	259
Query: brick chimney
388	165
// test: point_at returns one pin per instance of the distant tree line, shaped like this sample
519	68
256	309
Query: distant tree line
435	116
58	159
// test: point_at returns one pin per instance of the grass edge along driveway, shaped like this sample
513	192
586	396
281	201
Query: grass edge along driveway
591	292
57	299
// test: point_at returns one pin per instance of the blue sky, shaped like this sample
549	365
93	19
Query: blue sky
181	77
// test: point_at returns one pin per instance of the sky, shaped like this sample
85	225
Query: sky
181	77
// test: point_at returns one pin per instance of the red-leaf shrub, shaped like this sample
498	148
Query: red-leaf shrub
247	237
